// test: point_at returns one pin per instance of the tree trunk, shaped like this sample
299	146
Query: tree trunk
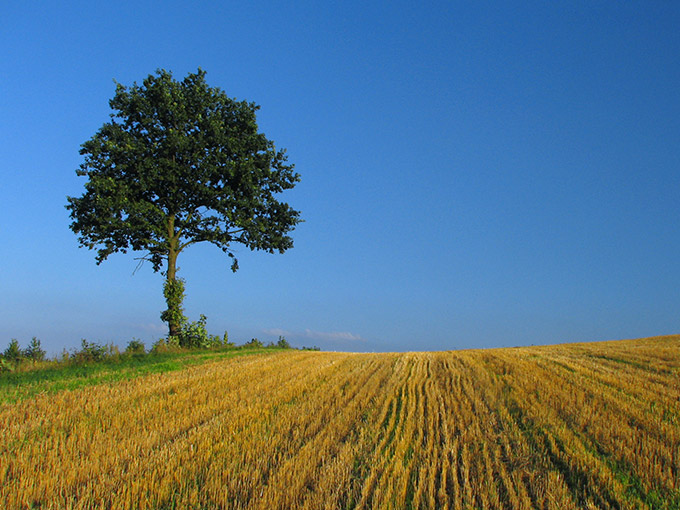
174	287
174	304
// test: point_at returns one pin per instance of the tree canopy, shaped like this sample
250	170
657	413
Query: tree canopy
181	163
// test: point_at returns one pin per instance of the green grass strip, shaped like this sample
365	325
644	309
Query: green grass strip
54	377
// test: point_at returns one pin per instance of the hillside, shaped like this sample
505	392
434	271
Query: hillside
570	426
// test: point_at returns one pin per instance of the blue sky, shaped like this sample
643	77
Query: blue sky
474	174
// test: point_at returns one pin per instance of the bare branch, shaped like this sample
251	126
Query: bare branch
145	258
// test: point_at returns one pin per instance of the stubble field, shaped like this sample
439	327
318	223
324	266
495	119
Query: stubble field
570	426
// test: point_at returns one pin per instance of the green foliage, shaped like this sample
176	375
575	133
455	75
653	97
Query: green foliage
13	352
5	366
315	348
226	342
93	352
180	163
253	344
170	344
173	290
34	351
194	335
135	346
283	343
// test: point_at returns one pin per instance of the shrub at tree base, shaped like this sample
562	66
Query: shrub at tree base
194	335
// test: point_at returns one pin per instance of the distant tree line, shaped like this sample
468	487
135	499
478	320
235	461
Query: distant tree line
193	337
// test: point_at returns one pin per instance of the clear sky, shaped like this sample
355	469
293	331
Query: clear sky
474	174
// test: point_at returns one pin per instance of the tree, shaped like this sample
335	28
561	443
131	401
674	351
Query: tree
181	163
13	351
34	351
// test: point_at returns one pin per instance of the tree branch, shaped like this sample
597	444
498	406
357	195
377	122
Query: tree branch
142	259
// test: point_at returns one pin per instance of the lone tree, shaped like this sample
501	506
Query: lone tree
181	163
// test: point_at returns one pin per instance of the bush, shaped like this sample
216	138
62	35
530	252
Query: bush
283	343
170	344
13	351
194	335
34	351
253	344
92	352
135	346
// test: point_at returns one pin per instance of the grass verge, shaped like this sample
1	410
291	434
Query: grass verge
52	377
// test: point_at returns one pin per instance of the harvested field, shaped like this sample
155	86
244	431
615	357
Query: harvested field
571	426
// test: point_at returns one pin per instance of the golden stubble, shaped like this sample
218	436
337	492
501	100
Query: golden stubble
570	426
